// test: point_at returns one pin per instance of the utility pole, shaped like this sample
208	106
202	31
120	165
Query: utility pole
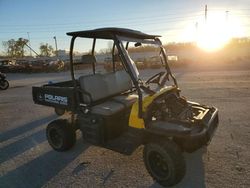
196	31
205	13
227	15
29	43
56	46
31	49
196	26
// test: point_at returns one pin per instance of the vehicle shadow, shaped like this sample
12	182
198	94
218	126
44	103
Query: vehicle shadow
195	173
22	145
24	128
11	150
39	171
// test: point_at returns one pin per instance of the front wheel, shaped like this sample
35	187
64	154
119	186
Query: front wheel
60	135
4	84
164	162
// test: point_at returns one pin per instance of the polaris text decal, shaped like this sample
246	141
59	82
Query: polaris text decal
56	99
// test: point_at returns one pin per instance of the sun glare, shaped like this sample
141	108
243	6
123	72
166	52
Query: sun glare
217	31
214	33
212	37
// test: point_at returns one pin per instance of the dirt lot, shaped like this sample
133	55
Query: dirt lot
26	159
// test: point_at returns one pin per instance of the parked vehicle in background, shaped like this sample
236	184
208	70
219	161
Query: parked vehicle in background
53	66
36	66
154	62
31	65
108	63
22	65
7	65
4	84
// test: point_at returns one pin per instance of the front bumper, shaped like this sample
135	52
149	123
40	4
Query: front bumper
193	136
197	139
209	124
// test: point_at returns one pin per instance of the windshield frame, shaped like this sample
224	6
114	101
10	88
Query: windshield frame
155	42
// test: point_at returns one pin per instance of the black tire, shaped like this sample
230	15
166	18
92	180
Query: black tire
4	85
60	135
164	162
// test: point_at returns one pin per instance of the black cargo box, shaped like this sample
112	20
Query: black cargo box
55	95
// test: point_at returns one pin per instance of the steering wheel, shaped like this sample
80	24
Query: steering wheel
156	79
159	79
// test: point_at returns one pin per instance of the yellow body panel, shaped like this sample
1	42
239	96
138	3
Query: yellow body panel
134	120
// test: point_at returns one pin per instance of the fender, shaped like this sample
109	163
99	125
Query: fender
134	120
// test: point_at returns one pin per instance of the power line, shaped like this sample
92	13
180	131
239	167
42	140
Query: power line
97	21
177	12
109	20
62	27
129	23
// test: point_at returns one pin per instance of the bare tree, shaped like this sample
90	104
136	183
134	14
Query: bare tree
20	44
10	47
15	48
46	50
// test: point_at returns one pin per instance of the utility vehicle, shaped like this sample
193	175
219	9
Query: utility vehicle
121	111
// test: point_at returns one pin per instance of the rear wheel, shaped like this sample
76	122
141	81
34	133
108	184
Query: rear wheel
164	162
4	85
61	135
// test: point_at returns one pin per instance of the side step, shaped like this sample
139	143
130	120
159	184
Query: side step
127	143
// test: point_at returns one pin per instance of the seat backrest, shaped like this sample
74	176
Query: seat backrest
102	86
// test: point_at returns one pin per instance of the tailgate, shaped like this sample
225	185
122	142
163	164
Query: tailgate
58	97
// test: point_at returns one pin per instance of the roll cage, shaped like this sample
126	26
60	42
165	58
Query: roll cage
120	36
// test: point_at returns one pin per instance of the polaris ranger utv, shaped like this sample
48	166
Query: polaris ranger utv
121	111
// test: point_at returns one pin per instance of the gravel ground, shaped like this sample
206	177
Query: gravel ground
26	159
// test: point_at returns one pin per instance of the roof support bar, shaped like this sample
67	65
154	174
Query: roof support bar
113	57
93	53
71	59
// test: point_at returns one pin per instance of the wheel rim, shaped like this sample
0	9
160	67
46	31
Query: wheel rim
55	138
158	165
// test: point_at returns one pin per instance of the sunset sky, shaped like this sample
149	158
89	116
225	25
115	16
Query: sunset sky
176	21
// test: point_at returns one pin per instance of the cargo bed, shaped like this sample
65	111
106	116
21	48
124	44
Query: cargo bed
57	95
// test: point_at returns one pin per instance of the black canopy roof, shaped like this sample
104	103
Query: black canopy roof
108	33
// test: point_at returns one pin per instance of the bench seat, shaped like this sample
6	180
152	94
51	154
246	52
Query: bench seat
110	86
107	108
127	100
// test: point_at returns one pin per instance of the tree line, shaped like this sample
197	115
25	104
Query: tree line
18	48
